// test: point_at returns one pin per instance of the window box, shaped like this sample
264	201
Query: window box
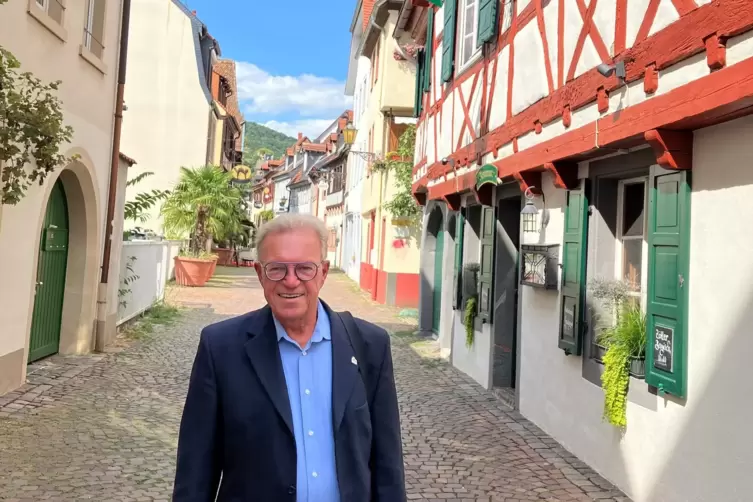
638	367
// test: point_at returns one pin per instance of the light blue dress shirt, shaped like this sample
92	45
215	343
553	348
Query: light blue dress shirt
308	375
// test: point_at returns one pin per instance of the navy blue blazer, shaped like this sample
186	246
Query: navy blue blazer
237	426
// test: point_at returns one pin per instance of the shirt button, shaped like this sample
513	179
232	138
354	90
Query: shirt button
304	352
308	392
311	433
314	474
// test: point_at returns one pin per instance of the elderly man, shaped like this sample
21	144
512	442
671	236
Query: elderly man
292	402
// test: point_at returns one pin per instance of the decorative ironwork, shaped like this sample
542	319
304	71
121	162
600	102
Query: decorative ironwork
539	265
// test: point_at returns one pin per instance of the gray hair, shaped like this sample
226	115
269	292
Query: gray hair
292	221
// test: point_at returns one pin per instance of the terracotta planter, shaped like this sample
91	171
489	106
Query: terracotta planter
214	267
193	271
223	256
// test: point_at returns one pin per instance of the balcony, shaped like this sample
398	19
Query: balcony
334	199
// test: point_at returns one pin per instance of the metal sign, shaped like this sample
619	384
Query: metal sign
487	174
241	174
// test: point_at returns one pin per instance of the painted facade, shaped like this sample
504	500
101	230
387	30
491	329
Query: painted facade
389	263
227	124
77	43
168	96
634	177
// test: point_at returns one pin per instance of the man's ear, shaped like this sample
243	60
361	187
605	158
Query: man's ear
325	269
259	271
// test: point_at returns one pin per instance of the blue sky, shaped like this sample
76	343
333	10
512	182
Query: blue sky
292	58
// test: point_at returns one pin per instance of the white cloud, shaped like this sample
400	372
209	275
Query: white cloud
309	127
307	95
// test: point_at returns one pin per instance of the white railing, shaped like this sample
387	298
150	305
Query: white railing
145	269
334	199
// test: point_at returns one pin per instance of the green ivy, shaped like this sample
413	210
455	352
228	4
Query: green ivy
624	341
468	321
400	164
31	129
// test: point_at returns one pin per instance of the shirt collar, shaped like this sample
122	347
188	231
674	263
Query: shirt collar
321	329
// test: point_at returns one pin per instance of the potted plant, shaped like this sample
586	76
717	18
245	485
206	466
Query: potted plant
470	295
203	204
625	344
607	296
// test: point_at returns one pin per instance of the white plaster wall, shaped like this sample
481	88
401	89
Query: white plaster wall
475	361
673	451
166	124
88	98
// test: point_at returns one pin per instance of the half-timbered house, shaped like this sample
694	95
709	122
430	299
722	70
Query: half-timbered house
567	144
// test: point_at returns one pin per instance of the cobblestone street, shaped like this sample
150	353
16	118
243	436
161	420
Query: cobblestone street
104	427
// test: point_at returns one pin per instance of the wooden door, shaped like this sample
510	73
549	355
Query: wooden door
51	272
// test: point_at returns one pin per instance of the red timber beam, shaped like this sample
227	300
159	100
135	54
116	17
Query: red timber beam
453	201
705	28
720	96
529	180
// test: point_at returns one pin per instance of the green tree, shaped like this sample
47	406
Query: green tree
135	210
204	204
259	136
31	129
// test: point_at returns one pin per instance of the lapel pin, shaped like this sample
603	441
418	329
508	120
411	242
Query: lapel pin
353	360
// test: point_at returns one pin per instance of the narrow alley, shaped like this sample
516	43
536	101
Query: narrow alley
103	427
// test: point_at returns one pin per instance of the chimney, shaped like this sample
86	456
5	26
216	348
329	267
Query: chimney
300	136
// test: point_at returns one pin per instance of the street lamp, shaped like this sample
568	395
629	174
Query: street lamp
349	137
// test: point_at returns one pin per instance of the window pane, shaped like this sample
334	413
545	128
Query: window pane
633	208
632	253
469	19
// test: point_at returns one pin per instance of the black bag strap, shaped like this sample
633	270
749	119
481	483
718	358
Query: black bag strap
356	341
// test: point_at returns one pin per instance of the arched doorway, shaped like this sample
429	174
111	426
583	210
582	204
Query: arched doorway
51	275
436	241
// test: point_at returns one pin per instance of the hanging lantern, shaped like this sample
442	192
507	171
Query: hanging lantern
530	213
349	133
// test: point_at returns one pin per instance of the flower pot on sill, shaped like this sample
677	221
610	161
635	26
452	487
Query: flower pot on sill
193	272
638	367
400	222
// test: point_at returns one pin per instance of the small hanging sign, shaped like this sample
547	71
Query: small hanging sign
241	174
486	175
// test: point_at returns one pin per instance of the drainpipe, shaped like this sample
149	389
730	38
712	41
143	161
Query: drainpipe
114	165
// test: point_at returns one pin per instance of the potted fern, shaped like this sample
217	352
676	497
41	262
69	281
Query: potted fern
470	294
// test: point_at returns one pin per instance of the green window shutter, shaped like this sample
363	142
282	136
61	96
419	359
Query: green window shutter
668	262
457	301
486	275
575	244
448	40
429	50
419	83
488	12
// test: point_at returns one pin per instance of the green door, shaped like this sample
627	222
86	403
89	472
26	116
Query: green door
50	283
438	259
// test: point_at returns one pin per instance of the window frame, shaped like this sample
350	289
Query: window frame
620	238
85	49
461	36
41	12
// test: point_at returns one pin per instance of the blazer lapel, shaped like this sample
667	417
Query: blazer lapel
344	371
264	354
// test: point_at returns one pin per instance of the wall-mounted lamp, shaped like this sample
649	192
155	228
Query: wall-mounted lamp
530	212
618	69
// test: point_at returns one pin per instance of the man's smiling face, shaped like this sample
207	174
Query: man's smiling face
291	298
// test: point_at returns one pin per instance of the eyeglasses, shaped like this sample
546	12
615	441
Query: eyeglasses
277	271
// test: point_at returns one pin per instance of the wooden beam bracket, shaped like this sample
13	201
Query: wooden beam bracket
453	201
673	149
565	174
529	180
420	196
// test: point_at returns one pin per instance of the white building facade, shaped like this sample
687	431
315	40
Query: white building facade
356	85
637	170
168	98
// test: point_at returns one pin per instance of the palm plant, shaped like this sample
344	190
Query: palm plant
203	203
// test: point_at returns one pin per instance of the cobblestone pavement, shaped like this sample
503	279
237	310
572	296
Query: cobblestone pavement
103	427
